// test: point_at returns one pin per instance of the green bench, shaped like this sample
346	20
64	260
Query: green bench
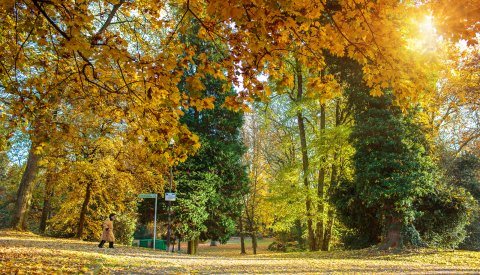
159	244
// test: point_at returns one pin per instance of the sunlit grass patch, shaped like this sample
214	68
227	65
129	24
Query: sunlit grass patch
33	254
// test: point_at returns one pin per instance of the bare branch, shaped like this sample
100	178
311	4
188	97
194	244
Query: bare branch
343	35
110	17
466	142
176	27
42	11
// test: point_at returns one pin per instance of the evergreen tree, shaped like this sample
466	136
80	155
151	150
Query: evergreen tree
397	195
392	170
217	167
465	172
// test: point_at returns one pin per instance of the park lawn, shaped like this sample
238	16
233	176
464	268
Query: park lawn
27	253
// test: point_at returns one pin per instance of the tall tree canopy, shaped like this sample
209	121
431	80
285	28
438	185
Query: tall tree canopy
125	62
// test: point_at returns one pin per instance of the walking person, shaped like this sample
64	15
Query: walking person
107	233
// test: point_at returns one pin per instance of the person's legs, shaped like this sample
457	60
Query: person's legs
100	245
110	245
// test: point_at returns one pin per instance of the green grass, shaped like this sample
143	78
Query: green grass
32	254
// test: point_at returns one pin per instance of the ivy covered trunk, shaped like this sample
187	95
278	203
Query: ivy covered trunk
393	168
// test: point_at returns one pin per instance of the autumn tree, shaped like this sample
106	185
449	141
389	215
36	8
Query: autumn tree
454	105
65	51
257	213
10	173
103	52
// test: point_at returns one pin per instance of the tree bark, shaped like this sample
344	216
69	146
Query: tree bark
24	193
83	212
327	236
49	191
253	234
299	233
303	146
393	238
242	238
328	230
179	243
192	246
254	242
321	184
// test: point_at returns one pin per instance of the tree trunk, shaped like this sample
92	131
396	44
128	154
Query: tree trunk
328	230
83	212
192	246
254	242
333	182
253	234
299	233
242	238
303	145
331	211
24	193
321	184
49	191
393	238
179	243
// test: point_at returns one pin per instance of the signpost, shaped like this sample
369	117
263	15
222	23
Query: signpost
170	197
152	196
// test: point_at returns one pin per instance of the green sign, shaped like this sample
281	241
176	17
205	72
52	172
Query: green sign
147	196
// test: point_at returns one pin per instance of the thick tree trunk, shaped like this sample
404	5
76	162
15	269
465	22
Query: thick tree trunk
242	238
393	238
49	191
192	247
24	193
303	146
83	211
321	184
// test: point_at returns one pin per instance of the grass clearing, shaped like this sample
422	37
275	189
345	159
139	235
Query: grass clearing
22	252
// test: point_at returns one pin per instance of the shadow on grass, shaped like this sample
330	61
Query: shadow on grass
212	260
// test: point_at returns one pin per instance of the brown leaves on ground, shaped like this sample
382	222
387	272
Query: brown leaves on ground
27	253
